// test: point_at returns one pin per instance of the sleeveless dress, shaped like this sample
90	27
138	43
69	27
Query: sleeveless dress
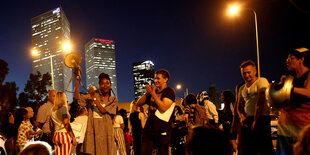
293	118
136	131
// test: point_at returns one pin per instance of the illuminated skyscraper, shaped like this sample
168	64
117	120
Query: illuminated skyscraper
100	57
143	73
50	31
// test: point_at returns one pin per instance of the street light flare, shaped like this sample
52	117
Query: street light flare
34	52
233	10
179	86
66	47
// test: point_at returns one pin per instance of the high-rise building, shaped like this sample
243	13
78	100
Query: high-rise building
100	57
143	73
50	31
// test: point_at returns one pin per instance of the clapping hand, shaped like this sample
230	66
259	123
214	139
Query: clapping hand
150	88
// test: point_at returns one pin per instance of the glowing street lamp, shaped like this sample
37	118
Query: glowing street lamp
65	47
232	11
35	52
179	86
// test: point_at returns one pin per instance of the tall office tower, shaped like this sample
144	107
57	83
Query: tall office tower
100	57
50	31
143	73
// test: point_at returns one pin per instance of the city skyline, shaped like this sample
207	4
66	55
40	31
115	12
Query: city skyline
194	40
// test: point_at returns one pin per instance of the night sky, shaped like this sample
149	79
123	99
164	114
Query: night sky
194	39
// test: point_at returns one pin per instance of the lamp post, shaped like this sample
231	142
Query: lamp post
66	47
233	10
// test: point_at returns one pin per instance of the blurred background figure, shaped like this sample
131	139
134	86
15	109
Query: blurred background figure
37	148
81	119
208	140
7	125
226	116
302	146
25	132
136	125
127	136
43	118
118	126
179	131
212	114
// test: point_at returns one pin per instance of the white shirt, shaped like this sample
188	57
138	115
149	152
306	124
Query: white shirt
43	116
211	111
250	96
57	117
118	121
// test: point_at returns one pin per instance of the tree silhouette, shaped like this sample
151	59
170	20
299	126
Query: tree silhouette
4	70
7	91
35	91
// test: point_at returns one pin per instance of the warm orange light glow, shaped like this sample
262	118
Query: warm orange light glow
34	52
233	10
179	86
66	47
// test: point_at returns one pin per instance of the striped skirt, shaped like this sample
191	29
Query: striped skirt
62	143
290	124
120	141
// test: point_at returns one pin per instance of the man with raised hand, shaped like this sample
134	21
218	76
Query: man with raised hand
160	99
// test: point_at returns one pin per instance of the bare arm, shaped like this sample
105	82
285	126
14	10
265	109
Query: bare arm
76	88
68	128
164	104
30	133
214	112
186	120
240	108
129	125
142	119
304	91
123	126
235	114
141	101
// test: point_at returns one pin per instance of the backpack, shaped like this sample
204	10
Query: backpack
200	117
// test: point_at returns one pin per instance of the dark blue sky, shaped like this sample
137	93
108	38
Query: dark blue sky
193	39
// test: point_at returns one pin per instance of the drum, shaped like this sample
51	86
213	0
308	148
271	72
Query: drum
278	94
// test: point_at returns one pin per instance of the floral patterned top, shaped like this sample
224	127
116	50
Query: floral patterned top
24	127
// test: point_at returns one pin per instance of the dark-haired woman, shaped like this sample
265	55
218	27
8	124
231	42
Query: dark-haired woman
297	114
7	125
99	137
7	129
226	118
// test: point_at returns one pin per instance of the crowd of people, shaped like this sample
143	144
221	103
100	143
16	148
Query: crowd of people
155	124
